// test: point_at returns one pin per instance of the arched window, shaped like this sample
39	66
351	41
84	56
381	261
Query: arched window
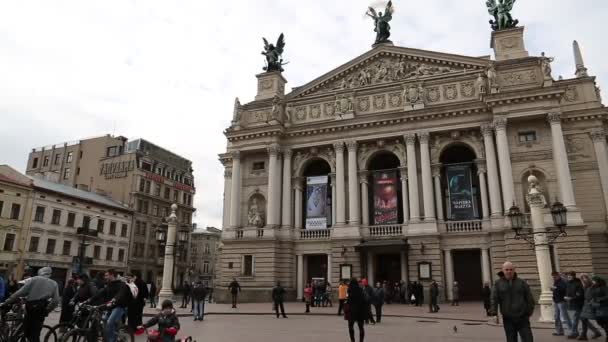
317	203
460	184
384	195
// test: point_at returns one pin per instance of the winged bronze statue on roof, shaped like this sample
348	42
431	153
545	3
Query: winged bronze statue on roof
274	60
501	11
381	25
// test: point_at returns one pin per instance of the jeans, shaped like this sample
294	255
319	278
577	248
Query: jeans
519	326
575	316
562	320
111	326
199	309
378	308
588	325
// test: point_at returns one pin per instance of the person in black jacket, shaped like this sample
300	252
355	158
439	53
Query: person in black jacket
168	323
135	311
516	303
562	320
486	294
67	311
199	292
356	310
378	301
278	298
234	289
152	293
575	299
434	294
368	292
119	295
86	290
186	288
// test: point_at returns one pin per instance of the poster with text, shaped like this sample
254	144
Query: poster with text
460	193
316	202
385	198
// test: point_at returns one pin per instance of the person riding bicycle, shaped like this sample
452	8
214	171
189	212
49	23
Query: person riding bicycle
168	323
118	296
41	296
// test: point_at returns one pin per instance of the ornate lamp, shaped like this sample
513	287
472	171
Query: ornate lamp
161	233
182	234
559	214
517	219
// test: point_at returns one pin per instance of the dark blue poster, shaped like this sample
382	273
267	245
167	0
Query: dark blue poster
460	193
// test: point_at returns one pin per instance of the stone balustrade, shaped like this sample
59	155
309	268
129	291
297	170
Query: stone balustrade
386	230
315	234
463	226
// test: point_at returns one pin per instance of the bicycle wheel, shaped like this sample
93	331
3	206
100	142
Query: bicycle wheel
77	335
125	335
54	334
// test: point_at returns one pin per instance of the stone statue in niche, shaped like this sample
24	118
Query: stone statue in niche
480	85
545	63
236	114
492	78
275	113
288	112
255	216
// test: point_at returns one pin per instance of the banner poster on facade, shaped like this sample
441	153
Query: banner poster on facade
316	202
385	197
460	193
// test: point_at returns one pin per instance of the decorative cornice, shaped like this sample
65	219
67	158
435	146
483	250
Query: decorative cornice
554	118
424	137
500	123
487	129
236	155
339	147
351	145
410	138
598	135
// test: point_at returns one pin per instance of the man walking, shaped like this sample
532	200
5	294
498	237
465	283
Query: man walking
516	303
234	289
342	289
278	297
455	294
378	301
152	293
562	321
434	293
37	292
575	299
199	292
186	295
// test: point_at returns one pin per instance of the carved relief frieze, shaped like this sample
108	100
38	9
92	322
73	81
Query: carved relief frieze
329	109
315	111
571	94
301	113
450	92
395	99
258	116
433	94
578	147
516	78
363	104
300	157
379	101
344	104
366	150
467	89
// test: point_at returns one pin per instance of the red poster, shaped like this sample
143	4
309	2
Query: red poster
385	198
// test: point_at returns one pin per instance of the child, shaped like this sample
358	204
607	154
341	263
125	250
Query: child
168	323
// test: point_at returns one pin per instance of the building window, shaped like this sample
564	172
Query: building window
248	265
167	193
71	156
144	227
39	216
123	230
96	252
157	190
206	267
109	252
100	224
148	184
112	151
121	255
34	244
50	246
86	222
9	242
175	195
15	211
257	166
146	166
80	155
66	173
77	171
144	207
185	198
71	220
67	247
112	228
151	251
207	249
142	185
45	163
165	212
56	216
155	210
57	159
1	207
525	137
35	163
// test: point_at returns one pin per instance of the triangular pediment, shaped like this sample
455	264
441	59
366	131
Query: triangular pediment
390	64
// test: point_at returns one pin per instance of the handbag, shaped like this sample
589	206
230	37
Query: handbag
413	298
347	311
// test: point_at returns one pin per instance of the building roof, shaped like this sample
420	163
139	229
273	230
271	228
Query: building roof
77	193
208	230
7	179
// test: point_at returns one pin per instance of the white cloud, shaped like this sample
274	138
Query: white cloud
168	71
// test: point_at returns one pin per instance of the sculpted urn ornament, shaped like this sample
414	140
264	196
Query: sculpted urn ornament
501	11
381	25
273	53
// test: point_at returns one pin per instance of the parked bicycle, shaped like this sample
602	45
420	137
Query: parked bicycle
11	324
94	327
79	320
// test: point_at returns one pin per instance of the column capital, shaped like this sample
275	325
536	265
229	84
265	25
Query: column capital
339	146
436	169
598	135
351	145
410	138
273	149
298	183
487	129
424	137
481	166
500	123
554	118
228	173
287	152
236	155
363	178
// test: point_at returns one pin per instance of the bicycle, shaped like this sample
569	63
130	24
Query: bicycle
11	323
79	320
95	327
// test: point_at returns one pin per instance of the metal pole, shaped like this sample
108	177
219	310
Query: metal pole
82	253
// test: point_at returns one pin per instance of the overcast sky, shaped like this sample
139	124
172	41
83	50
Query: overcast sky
168	71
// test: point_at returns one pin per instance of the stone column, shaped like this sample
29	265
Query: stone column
370	268
504	158
353	189
169	260
227	190
486	270
412	175
298	187
493	184
481	172
273	178
287	207
329	268
333	199
364	198
449	273
536	201
340	190
300	276
427	179
560	158
404	201
235	191
404	268
599	143
438	192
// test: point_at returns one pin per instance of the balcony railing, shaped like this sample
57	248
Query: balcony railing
463	226
386	230
239	234
315	234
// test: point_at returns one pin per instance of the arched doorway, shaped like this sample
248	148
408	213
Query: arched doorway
384	195
317	203
460	184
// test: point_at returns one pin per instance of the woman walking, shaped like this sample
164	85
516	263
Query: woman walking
308	296
599	302
587	313
356	310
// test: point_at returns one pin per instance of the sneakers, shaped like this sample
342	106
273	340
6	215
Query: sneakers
582	338
557	334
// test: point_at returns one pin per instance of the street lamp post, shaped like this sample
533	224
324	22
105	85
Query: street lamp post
84	233
540	237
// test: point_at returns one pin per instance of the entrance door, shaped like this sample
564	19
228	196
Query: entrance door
388	267
317	267
467	272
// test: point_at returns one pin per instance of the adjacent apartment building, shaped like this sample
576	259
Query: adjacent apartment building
145	177
204	243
